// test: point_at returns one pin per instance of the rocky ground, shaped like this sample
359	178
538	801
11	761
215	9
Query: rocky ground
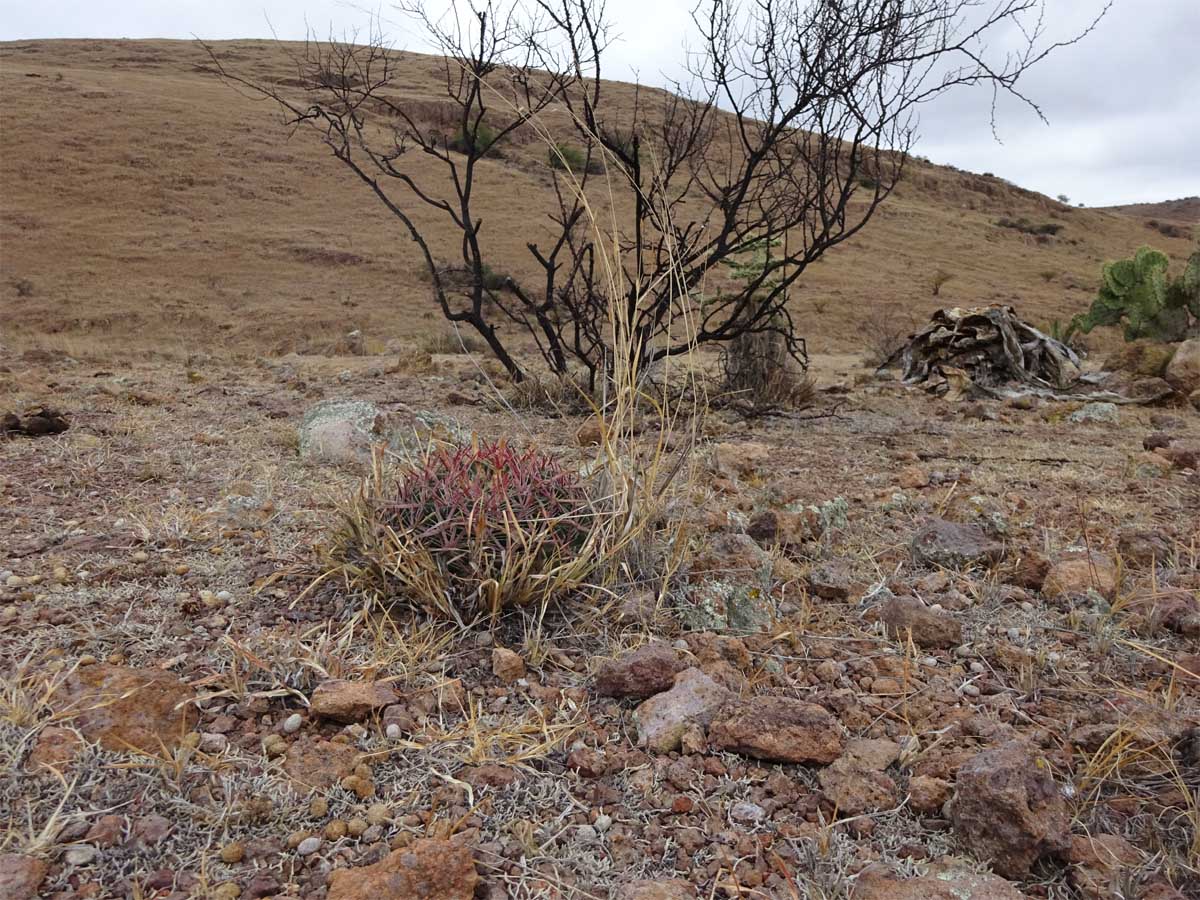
915	649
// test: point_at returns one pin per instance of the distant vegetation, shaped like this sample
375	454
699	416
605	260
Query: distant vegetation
1024	226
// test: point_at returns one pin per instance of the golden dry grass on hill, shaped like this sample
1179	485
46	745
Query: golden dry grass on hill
147	205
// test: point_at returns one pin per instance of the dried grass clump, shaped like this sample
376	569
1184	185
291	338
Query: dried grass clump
759	375
467	531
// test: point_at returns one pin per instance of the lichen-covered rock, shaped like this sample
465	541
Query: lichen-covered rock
954	545
1007	810
693	700
780	729
1095	414
426	869
339	431
648	670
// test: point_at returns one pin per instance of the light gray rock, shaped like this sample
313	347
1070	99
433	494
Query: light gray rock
339	431
663	719
1095	414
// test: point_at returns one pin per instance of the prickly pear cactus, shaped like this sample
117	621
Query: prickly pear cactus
1138	292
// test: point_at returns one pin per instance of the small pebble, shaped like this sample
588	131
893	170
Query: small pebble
379	814
970	690
232	852
319	808
603	822
141	556
977	667
393	732
81	854
309	846
292	723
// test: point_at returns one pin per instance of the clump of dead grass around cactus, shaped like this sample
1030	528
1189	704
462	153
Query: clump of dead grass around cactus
469	531
760	375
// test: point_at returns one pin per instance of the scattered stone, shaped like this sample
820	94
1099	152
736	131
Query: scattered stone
693	700
746	813
1095	414
1183	372
953	545
308	846
740	460
1008	811
36	421
648	670
830	580
1097	862
233	853
1077	572
772	526
107	831
945	881
426	868
151	830
292	723
81	855
1029	570
662	889
1142	546
929	628
507	665
123	708
927	795
54	751
779	729
350	701
339	431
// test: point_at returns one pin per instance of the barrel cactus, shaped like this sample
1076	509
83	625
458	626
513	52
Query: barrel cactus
1139	293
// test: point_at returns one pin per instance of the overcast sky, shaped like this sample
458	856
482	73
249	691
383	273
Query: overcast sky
1123	105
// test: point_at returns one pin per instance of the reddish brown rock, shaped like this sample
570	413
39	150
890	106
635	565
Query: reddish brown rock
905	616
691	702
855	783
1097	861
662	889
426	869
314	763
944	882
780	729
1142	546
1080	571
489	775
1029	570
1008	811
507	665
123	708
1177	611
350	701
21	876
54	751
927	795
648	670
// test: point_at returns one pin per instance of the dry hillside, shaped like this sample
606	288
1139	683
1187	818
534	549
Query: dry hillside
148	204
